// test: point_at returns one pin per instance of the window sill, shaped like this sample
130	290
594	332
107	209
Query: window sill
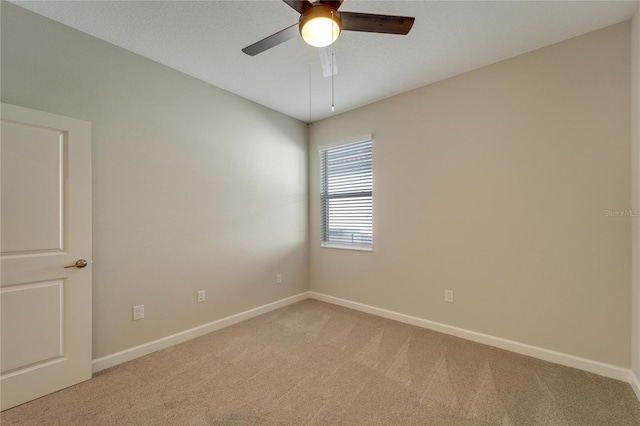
347	246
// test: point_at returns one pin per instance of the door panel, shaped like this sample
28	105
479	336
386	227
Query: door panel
32	199
29	339
45	308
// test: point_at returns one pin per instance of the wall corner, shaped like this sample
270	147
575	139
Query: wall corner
635	193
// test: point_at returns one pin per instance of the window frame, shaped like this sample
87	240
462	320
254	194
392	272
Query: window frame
334	244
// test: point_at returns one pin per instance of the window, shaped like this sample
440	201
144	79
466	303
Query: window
346	196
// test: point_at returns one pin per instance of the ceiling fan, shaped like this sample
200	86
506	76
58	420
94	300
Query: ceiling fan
320	25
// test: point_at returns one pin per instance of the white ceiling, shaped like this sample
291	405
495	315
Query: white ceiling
204	38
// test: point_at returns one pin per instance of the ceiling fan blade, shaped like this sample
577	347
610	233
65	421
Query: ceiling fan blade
273	40
335	4
371	23
328	62
299	5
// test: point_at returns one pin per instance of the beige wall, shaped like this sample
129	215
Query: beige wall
495	184
635	187
194	188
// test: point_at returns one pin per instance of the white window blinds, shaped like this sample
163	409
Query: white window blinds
346	195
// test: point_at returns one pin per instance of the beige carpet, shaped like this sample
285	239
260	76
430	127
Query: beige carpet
315	363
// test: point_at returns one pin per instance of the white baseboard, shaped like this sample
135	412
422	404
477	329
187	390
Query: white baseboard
635	384
150	347
596	367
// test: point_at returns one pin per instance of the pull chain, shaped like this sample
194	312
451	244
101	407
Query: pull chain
309	85
333	105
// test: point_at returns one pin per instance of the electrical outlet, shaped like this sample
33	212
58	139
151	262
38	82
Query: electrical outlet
448	296
201	296
278	278
138	312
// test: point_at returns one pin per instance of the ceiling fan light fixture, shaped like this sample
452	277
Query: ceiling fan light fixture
320	25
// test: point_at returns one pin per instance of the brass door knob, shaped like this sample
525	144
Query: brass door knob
79	264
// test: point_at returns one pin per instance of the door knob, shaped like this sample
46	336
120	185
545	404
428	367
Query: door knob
79	264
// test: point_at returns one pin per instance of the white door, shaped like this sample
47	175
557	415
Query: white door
45	216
